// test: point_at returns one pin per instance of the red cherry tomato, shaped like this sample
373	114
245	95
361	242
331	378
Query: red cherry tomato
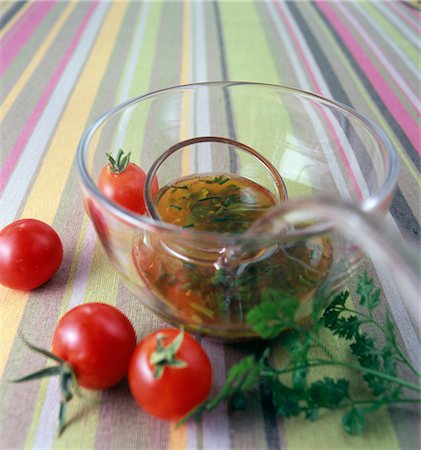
123	183
30	254
97	340
178	389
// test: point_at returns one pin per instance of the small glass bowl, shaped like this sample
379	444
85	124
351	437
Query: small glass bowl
313	147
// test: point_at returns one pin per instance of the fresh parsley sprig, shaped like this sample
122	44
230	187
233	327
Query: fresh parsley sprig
376	358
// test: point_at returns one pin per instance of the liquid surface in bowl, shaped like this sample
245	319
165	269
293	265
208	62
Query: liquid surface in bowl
221	203
216	297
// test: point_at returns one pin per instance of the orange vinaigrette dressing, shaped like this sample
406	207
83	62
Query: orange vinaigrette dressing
211	296
222	203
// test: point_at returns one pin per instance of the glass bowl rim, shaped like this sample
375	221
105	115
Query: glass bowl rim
150	224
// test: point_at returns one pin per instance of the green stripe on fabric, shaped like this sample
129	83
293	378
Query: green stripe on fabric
142	79
249	58
144	73
164	67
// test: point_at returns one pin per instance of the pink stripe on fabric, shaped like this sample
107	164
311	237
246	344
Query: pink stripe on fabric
31	122
392	102
28	26
18	25
319	89
388	66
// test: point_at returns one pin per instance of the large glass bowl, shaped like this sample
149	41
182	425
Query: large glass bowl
307	145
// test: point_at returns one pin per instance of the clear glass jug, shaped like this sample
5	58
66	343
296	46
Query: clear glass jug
293	144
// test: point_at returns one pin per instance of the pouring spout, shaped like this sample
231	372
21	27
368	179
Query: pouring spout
378	241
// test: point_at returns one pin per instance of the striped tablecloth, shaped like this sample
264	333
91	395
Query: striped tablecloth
65	63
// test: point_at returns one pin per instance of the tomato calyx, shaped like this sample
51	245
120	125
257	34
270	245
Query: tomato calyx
119	164
166	356
67	380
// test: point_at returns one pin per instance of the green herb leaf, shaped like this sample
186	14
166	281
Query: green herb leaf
274	315
286	400
390	330
175	187
220	179
344	327
365	349
189	225
369	294
354	421
328	392
242	377
292	396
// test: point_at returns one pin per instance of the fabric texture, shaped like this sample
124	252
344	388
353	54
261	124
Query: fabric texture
62	65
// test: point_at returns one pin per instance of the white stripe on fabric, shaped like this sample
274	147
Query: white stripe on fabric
200	73
215	426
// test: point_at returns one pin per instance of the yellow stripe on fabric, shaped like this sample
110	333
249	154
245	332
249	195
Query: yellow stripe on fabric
177	439
15	19
102	282
45	196
249	58
12	306
35	61
49	184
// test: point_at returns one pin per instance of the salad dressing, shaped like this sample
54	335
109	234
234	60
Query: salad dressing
209	294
